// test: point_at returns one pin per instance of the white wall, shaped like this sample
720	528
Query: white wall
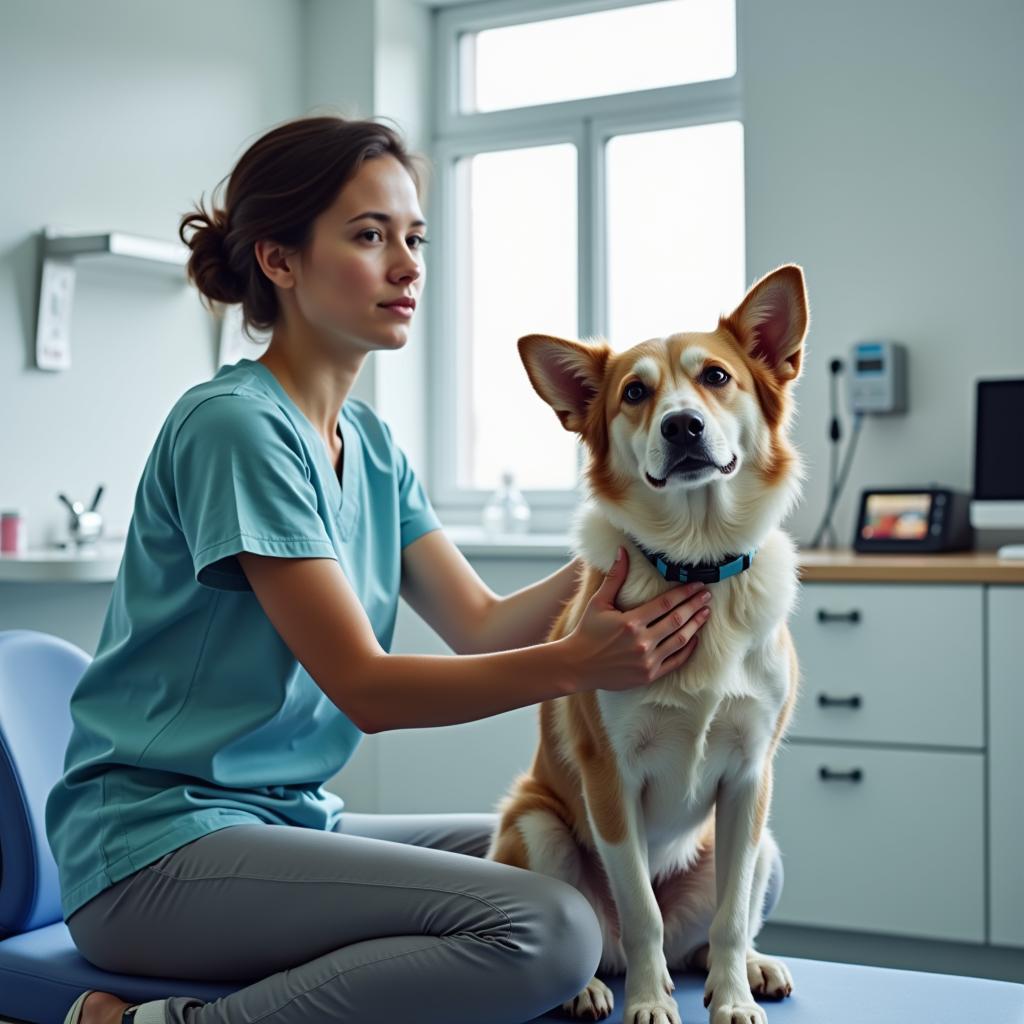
118	116
884	153
882	149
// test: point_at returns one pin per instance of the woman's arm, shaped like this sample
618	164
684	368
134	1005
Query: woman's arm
313	607
442	587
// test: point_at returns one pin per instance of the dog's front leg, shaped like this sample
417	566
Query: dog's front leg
727	989
623	851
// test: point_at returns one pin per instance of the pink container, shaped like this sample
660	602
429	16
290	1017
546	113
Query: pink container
12	533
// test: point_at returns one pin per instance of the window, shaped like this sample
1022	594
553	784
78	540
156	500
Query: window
675	229
643	46
512	297
589	159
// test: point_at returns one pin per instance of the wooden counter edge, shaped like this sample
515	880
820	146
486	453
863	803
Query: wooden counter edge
847	566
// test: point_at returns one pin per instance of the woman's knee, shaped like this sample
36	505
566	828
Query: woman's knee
561	939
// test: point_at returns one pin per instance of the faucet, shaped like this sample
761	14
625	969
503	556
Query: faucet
85	525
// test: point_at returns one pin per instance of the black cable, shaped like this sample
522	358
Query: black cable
835	434
851	446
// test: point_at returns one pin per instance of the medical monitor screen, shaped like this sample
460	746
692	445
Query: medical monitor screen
896	517
999	436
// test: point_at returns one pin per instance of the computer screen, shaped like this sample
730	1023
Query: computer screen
999	436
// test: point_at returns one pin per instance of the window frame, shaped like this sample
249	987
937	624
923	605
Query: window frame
588	124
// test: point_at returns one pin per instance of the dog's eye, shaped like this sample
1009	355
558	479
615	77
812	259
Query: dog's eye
715	376
635	392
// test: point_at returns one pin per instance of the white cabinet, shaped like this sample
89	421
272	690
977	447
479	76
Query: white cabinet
880	793
1006	763
890	663
897	848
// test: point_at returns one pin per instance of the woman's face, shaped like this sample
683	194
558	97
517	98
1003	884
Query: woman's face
365	255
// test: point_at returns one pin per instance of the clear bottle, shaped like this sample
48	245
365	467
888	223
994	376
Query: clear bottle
506	510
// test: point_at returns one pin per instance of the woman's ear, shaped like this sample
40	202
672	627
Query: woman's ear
566	374
275	261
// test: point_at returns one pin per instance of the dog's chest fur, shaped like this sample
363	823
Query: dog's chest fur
677	738
675	756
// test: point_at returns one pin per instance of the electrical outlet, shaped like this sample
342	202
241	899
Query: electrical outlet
53	328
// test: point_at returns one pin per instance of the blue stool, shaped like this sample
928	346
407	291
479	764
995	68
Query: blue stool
41	971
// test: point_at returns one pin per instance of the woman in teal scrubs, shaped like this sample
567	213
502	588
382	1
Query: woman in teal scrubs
245	652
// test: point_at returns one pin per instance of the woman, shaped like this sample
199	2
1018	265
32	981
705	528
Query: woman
245	652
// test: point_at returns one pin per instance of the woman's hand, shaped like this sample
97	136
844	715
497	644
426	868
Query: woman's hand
614	650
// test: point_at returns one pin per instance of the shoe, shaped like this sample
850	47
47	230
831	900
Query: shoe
145	1013
140	1013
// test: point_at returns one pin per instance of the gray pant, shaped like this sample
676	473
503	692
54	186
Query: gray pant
383	919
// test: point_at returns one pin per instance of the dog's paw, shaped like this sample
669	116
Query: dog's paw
730	1000
768	977
662	1009
595	1002
738	1013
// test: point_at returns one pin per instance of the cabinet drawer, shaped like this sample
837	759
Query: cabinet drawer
890	663
901	851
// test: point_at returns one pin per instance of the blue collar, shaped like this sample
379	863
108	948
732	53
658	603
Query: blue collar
703	572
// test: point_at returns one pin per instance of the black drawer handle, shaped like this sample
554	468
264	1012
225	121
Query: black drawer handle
824	616
828	775
825	701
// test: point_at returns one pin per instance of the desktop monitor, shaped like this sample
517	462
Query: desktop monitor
998	501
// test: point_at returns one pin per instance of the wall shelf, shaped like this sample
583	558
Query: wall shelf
60	251
120	246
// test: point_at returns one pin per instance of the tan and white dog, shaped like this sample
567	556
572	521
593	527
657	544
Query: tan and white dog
653	801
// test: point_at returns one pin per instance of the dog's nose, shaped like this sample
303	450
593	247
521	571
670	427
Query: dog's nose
682	428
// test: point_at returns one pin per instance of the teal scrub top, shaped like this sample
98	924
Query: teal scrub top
194	715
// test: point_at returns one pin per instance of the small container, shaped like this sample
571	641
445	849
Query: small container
13	535
506	511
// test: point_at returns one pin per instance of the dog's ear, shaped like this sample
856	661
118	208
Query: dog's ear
771	321
566	374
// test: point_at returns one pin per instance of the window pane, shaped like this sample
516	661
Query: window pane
599	54
676	257
516	275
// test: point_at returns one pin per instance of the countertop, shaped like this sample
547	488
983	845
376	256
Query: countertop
100	565
848	566
97	564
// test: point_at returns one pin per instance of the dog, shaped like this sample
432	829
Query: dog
653	801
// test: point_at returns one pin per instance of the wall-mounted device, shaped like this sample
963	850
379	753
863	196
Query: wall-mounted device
914	519
998	467
876	385
877	381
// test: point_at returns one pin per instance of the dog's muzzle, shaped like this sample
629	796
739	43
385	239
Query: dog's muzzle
687	452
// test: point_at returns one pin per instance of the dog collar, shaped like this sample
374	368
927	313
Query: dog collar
698	572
